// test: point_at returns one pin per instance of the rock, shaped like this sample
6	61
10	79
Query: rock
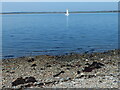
87	64
62	79
68	68
12	72
28	85
58	74
30	79
40	84
69	65
87	69
18	81
48	66
96	65
101	59
42	69
62	66
31	60
90	76
78	72
81	73
21	80
93	66
33	65
86	60
100	81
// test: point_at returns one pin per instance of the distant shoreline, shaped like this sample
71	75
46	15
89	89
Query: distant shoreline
60	12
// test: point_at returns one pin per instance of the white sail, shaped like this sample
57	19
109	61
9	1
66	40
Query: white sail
67	13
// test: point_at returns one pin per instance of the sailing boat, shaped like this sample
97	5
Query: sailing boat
67	13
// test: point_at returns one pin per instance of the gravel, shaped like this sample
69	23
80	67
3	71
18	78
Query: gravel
95	70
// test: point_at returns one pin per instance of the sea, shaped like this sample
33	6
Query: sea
57	34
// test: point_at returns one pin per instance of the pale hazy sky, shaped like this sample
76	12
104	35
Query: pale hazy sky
57	6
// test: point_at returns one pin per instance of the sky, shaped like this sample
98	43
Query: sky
57	6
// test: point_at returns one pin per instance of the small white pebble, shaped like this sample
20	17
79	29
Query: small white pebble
86	60
82	73
101	58
95	74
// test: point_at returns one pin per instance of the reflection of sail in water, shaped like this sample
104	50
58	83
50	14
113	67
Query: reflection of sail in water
67	22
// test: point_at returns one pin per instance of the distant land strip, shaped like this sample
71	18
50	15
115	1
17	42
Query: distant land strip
60	12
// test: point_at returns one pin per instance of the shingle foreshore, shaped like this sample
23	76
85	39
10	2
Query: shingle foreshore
94	70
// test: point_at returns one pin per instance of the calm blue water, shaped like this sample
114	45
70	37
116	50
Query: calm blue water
56	34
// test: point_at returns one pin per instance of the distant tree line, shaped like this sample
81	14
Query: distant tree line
115	11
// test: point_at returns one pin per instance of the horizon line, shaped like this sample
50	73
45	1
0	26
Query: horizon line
15	12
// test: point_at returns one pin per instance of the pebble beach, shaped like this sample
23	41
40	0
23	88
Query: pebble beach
93	70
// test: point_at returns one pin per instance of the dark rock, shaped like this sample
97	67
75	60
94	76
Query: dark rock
34	69
90	76
87	69
42	69
62	72
87	64
31	60
68	68
28	85
7	71
78	72
93	66
30	79
81	76
58	74
96	65
40	84
12	72
48	66
62	66
33	65
18	81
69	65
